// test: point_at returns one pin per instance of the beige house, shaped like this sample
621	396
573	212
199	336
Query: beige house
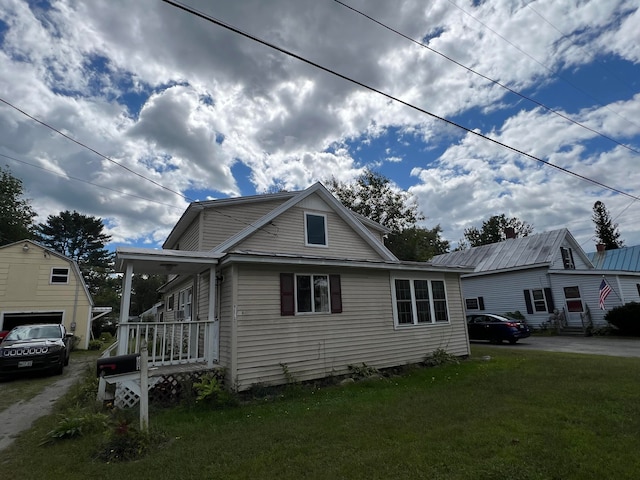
40	285
293	281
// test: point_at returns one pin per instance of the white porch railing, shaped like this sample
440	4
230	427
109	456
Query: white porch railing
171	343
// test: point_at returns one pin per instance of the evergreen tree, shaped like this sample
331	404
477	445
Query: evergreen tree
16	215
494	230
81	238
606	231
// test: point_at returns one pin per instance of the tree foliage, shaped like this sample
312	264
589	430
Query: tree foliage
606	231
417	244
144	292
374	196
16	214
81	238
494	230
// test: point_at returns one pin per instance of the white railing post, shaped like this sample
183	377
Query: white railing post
144	387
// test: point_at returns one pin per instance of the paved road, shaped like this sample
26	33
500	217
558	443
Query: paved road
613	346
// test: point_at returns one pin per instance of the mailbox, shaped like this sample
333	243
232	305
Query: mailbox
118	364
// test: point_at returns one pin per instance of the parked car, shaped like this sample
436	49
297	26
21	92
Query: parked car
496	328
3	333
39	347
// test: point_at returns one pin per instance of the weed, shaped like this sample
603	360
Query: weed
362	371
210	390
95	345
289	377
440	357
77	424
125	442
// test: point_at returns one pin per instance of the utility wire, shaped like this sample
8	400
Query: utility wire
233	29
549	69
44	124
515	92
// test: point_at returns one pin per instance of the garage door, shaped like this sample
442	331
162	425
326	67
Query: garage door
14	319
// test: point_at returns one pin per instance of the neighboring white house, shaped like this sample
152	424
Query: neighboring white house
38	285
296	279
537	274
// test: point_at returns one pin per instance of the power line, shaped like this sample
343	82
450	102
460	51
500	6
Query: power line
44	124
542	64
231	28
469	69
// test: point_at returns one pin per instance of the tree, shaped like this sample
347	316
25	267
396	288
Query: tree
144	292
16	215
606	231
417	244
373	196
81	238
494	230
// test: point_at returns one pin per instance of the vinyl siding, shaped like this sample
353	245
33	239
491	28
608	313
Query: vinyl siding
226	321
286	234
579	263
190	239
504	292
318	345
223	222
25	287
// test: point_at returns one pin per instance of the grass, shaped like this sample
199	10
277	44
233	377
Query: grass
520	415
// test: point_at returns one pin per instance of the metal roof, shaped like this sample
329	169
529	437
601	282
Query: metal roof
512	253
625	259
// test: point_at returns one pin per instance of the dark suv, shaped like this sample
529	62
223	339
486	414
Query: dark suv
39	347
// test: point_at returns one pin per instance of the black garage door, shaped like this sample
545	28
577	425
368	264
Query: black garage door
14	319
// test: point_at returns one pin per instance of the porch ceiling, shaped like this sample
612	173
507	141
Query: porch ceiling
168	262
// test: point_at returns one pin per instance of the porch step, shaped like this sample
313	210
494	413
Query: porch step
574	331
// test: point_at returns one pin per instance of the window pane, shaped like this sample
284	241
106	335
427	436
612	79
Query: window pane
403	302
59	275
316	230
321	293
571	292
471	303
439	301
421	289
538	300
304	293
574	305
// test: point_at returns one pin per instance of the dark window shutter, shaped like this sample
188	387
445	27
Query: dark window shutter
527	300
287	298
336	293
481	303
549	297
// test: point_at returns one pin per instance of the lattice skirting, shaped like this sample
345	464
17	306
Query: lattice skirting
164	389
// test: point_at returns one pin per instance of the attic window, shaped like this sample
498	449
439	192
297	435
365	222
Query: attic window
315	229
567	258
59	275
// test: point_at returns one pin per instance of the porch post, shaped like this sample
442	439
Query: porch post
125	305
213	327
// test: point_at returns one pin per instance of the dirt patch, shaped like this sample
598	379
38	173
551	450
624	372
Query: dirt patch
21	415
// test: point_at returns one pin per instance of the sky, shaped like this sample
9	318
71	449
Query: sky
154	107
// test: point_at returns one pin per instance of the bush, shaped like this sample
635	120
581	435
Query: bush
95	345
625	318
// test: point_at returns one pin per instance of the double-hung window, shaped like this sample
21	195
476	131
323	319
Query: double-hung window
310	293
419	301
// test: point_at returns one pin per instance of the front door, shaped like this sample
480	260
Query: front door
574	306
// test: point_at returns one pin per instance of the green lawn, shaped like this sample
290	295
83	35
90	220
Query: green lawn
520	415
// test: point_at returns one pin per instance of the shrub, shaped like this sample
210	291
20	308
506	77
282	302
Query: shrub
76	424
95	345
362	371
626	318
210	390
440	357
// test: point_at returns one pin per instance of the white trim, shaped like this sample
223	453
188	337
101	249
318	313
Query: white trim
51	275
306	229
295	294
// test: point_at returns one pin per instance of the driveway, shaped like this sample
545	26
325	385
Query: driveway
613	346
20	416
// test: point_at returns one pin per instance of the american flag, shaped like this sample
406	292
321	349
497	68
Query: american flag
605	290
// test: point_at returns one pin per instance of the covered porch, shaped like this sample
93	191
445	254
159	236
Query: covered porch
177	342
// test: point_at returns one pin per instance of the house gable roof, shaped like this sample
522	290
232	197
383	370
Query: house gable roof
50	251
625	259
523	252
344	213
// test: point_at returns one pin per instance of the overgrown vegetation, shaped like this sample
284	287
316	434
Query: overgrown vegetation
625	318
440	357
358	372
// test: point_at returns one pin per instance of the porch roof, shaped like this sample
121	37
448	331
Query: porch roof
168	262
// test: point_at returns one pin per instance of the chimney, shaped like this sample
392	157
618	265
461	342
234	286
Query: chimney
600	247
510	232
